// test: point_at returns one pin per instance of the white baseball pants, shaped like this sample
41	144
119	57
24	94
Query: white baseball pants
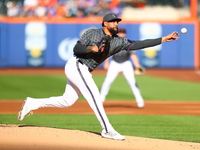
80	81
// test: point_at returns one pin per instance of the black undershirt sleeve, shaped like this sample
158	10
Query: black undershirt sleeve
79	48
146	43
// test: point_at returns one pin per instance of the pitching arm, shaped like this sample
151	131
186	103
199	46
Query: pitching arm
146	43
153	42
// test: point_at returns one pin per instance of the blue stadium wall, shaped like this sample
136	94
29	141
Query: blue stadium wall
58	40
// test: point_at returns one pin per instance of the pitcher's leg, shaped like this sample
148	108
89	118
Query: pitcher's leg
89	90
92	95
79	75
69	97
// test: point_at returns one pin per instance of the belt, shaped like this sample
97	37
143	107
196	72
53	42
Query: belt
90	70
79	61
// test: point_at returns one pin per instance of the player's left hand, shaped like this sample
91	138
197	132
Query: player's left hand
139	71
170	37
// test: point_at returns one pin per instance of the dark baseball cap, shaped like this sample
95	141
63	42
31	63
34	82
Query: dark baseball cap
110	17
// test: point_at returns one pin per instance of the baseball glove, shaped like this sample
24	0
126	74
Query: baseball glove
104	44
139	71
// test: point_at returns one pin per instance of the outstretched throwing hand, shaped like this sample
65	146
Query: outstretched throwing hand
170	37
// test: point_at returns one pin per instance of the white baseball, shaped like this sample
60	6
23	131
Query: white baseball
183	30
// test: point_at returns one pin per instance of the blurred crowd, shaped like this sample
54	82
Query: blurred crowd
76	8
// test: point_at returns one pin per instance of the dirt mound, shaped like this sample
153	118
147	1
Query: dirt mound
45	138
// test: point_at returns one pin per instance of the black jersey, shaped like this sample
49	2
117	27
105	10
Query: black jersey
91	38
122	56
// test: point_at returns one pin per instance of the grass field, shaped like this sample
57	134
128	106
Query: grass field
178	128
19	87
182	128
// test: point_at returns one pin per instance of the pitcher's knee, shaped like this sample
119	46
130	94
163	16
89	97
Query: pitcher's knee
68	102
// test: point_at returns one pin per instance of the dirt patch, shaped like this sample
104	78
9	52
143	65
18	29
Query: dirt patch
44	138
113	107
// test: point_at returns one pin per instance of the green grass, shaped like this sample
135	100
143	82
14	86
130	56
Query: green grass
178	128
153	89
19	87
182	128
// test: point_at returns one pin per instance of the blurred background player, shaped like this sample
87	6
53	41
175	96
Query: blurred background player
121	62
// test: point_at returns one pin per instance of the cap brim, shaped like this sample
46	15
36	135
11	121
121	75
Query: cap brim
116	19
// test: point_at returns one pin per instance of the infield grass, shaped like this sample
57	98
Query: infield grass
178	128
19	87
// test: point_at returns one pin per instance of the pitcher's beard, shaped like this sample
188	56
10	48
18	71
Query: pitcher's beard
113	31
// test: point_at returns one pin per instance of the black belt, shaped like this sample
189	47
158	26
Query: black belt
90	70
79	60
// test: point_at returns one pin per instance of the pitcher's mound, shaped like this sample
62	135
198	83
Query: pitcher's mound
21	137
